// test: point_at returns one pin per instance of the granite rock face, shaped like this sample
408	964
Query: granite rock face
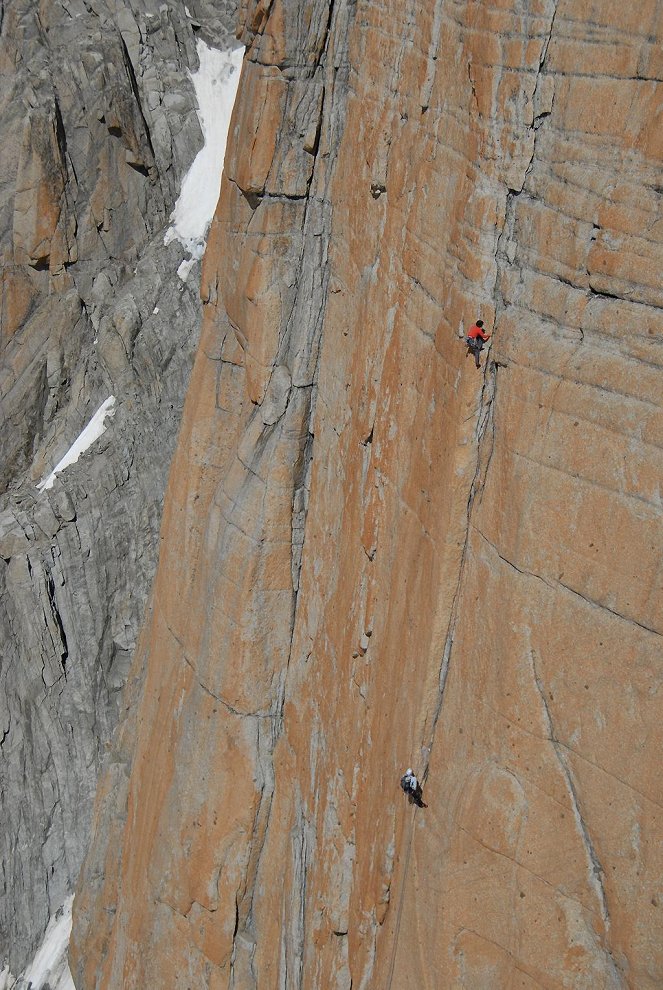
99	125
374	556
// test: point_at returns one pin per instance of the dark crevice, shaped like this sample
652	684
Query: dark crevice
134	87
64	651
254	199
298	516
291	197
546	46
138	167
540	117
326	34
604	294
40	264
474	92
61	137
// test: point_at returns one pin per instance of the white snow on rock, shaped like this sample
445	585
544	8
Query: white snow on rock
94	429
215	84
7	981
49	966
185	267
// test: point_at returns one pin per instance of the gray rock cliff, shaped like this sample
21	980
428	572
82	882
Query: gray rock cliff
98	126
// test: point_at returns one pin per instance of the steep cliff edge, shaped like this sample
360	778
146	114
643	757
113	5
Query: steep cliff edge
373	555
98	126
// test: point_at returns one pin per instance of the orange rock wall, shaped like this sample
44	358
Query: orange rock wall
374	555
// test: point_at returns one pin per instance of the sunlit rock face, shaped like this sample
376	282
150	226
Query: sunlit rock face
375	556
98	126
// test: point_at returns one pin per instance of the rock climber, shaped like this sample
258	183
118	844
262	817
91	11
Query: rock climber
412	788
475	340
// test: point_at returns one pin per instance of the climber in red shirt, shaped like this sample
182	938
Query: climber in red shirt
474	340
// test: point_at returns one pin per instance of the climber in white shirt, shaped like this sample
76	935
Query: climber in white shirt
412	788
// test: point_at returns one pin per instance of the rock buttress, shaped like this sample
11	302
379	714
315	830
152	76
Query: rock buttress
375	556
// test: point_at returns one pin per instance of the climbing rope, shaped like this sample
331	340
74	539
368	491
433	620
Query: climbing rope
399	912
485	414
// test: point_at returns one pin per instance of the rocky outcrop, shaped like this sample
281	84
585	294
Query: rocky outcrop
98	122
374	556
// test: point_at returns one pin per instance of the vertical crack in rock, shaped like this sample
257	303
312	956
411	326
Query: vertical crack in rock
484	438
314	214
149	168
485	441
63	648
299	514
485	429
595	870
399	910
433	52
245	893
546	44
409	30
538	117
503	261
484	419
292	959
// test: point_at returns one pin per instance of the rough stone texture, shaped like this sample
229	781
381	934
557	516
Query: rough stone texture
98	125
373	556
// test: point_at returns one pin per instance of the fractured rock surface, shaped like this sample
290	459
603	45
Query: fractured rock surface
374	556
99	125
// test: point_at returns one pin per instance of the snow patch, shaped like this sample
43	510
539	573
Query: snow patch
185	267
49	966
94	429
215	84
